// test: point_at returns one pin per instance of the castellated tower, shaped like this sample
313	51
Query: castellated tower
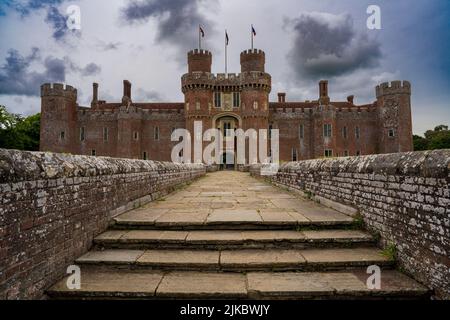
256	87
394	114
58	118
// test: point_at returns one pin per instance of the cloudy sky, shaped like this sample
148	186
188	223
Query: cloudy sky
145	41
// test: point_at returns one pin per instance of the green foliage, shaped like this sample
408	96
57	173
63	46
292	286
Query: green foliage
390	252
439	138
17	132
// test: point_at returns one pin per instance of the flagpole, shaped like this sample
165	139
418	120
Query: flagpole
251	31
199	38
226	57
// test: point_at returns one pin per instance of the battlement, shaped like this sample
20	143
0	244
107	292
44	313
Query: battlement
209	81
253	60
394	87
253	52
58	89
200	52
199	61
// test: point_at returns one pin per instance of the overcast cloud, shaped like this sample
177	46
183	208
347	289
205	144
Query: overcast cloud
145	41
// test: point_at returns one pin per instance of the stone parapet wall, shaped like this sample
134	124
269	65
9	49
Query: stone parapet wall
53	205
404	198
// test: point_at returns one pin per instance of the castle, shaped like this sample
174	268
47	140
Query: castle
309	129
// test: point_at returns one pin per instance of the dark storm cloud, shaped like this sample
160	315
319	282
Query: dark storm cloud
327	45
16	78
178	20
25	7
54	17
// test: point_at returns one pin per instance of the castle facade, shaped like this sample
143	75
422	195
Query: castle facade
307	129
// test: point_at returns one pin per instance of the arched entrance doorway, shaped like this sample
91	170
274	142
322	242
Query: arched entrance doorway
227	122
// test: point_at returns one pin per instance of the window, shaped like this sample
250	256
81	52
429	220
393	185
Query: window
255	105
226	127
358	153
105	134
357	133
144	155
62	135
344	132
156	133
327	130
328	153
93	152
82	134
236	99
217	99
346	153
391	133
136	135
301	131
294	154
197	105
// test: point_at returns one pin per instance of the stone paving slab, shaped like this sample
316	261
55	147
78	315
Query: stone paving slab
260	258
352	256
112	284
230	216
181	218
336	235
151	236
330	284
195	285
117	256
180	258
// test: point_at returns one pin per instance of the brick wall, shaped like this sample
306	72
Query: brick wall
403	197
53	205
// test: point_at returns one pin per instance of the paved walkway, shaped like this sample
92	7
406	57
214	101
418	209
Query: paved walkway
229	197
228	235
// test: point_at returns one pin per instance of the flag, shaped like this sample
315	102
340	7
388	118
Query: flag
226	38
253	31
201	31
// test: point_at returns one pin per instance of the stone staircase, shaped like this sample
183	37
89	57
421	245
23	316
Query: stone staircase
230	236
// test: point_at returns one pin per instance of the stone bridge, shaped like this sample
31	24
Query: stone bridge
143	229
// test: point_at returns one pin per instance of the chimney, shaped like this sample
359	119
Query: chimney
127	89
350	99
323	92
95	92
126	92
281	97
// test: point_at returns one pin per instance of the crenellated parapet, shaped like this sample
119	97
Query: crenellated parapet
58	90
226	82
394	87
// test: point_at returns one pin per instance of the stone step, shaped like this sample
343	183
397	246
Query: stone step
237	260
191	218
231	239
122	284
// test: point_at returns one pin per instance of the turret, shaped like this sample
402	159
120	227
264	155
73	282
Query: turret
58	117
253	60
199	61
394	114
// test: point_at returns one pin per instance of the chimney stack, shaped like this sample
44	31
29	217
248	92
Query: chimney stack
281	97
94	92
350	99
126	92
323	92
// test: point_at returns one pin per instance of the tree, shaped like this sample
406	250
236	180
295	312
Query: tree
439	138
17	132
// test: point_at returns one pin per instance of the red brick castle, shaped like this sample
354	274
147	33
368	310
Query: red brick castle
309	129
